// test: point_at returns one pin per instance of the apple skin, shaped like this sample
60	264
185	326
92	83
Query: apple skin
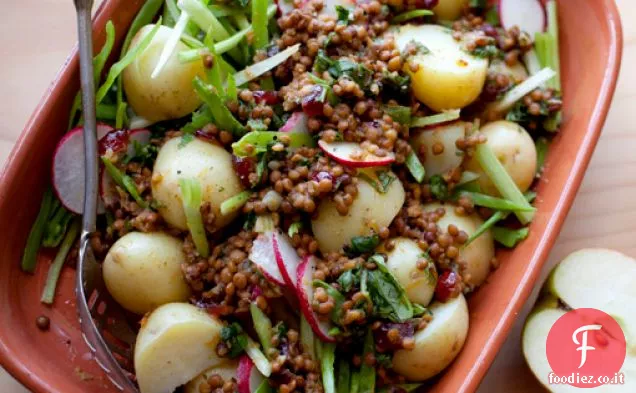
576	283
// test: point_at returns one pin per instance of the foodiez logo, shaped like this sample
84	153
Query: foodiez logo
586	348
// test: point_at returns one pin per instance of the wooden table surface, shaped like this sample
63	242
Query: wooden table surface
37	35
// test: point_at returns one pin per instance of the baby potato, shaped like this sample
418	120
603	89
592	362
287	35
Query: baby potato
514	148
143	271
447	77
437	344
402	262
370	211
176	343
478	253
210	164
226	370
168	96
516	73
449	9
441	137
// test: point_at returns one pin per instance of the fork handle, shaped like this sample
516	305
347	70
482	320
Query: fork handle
85	34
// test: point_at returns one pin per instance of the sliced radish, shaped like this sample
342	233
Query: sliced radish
529	15
305	292
351	154
262	255
297	122
141	136
68	170
287	258
248	376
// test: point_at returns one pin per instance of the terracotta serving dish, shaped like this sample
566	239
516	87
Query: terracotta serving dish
59	361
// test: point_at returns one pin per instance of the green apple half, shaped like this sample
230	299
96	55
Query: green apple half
588	278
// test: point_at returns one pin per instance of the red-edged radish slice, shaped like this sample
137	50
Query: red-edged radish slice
287	258
262	255
248	376
305	292
529	15
141	136
68	168
351	154
297	122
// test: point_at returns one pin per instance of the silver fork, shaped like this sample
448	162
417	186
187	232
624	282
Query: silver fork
104	325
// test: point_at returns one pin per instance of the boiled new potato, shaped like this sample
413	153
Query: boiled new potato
176	343
437	344
450	9
402	262
479	253
170	94
227	371
443	136
516	151
516	73
143	271
370	211
448	77
209	164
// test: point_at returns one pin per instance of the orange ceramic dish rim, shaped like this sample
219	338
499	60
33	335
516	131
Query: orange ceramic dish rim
465	374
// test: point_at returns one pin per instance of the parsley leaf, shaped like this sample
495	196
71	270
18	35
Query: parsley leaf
401	114
344	15
387	295
439	188
363	244
349	280
235	338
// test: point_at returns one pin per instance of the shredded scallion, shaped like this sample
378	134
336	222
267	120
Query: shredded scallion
233	204
191	198
435	119
48	295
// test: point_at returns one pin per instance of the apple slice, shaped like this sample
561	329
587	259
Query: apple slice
589	278
529	15
248	376
287	258
169	350
305	292
262	254
351	154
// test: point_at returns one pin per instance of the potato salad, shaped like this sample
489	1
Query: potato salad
300	196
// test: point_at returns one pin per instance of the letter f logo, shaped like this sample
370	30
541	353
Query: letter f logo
583	344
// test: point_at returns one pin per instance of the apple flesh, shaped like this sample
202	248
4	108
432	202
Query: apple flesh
176	342
588	278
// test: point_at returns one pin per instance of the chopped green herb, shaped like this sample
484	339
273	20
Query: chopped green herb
509	237
349	280
29	258
235	339
401	114
394	83
415	167
364	244
408	15
379	180
439	188
435	119
344	15
56	267
387	295
192	199
338	311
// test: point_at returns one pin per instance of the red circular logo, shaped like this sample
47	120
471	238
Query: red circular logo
586	348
